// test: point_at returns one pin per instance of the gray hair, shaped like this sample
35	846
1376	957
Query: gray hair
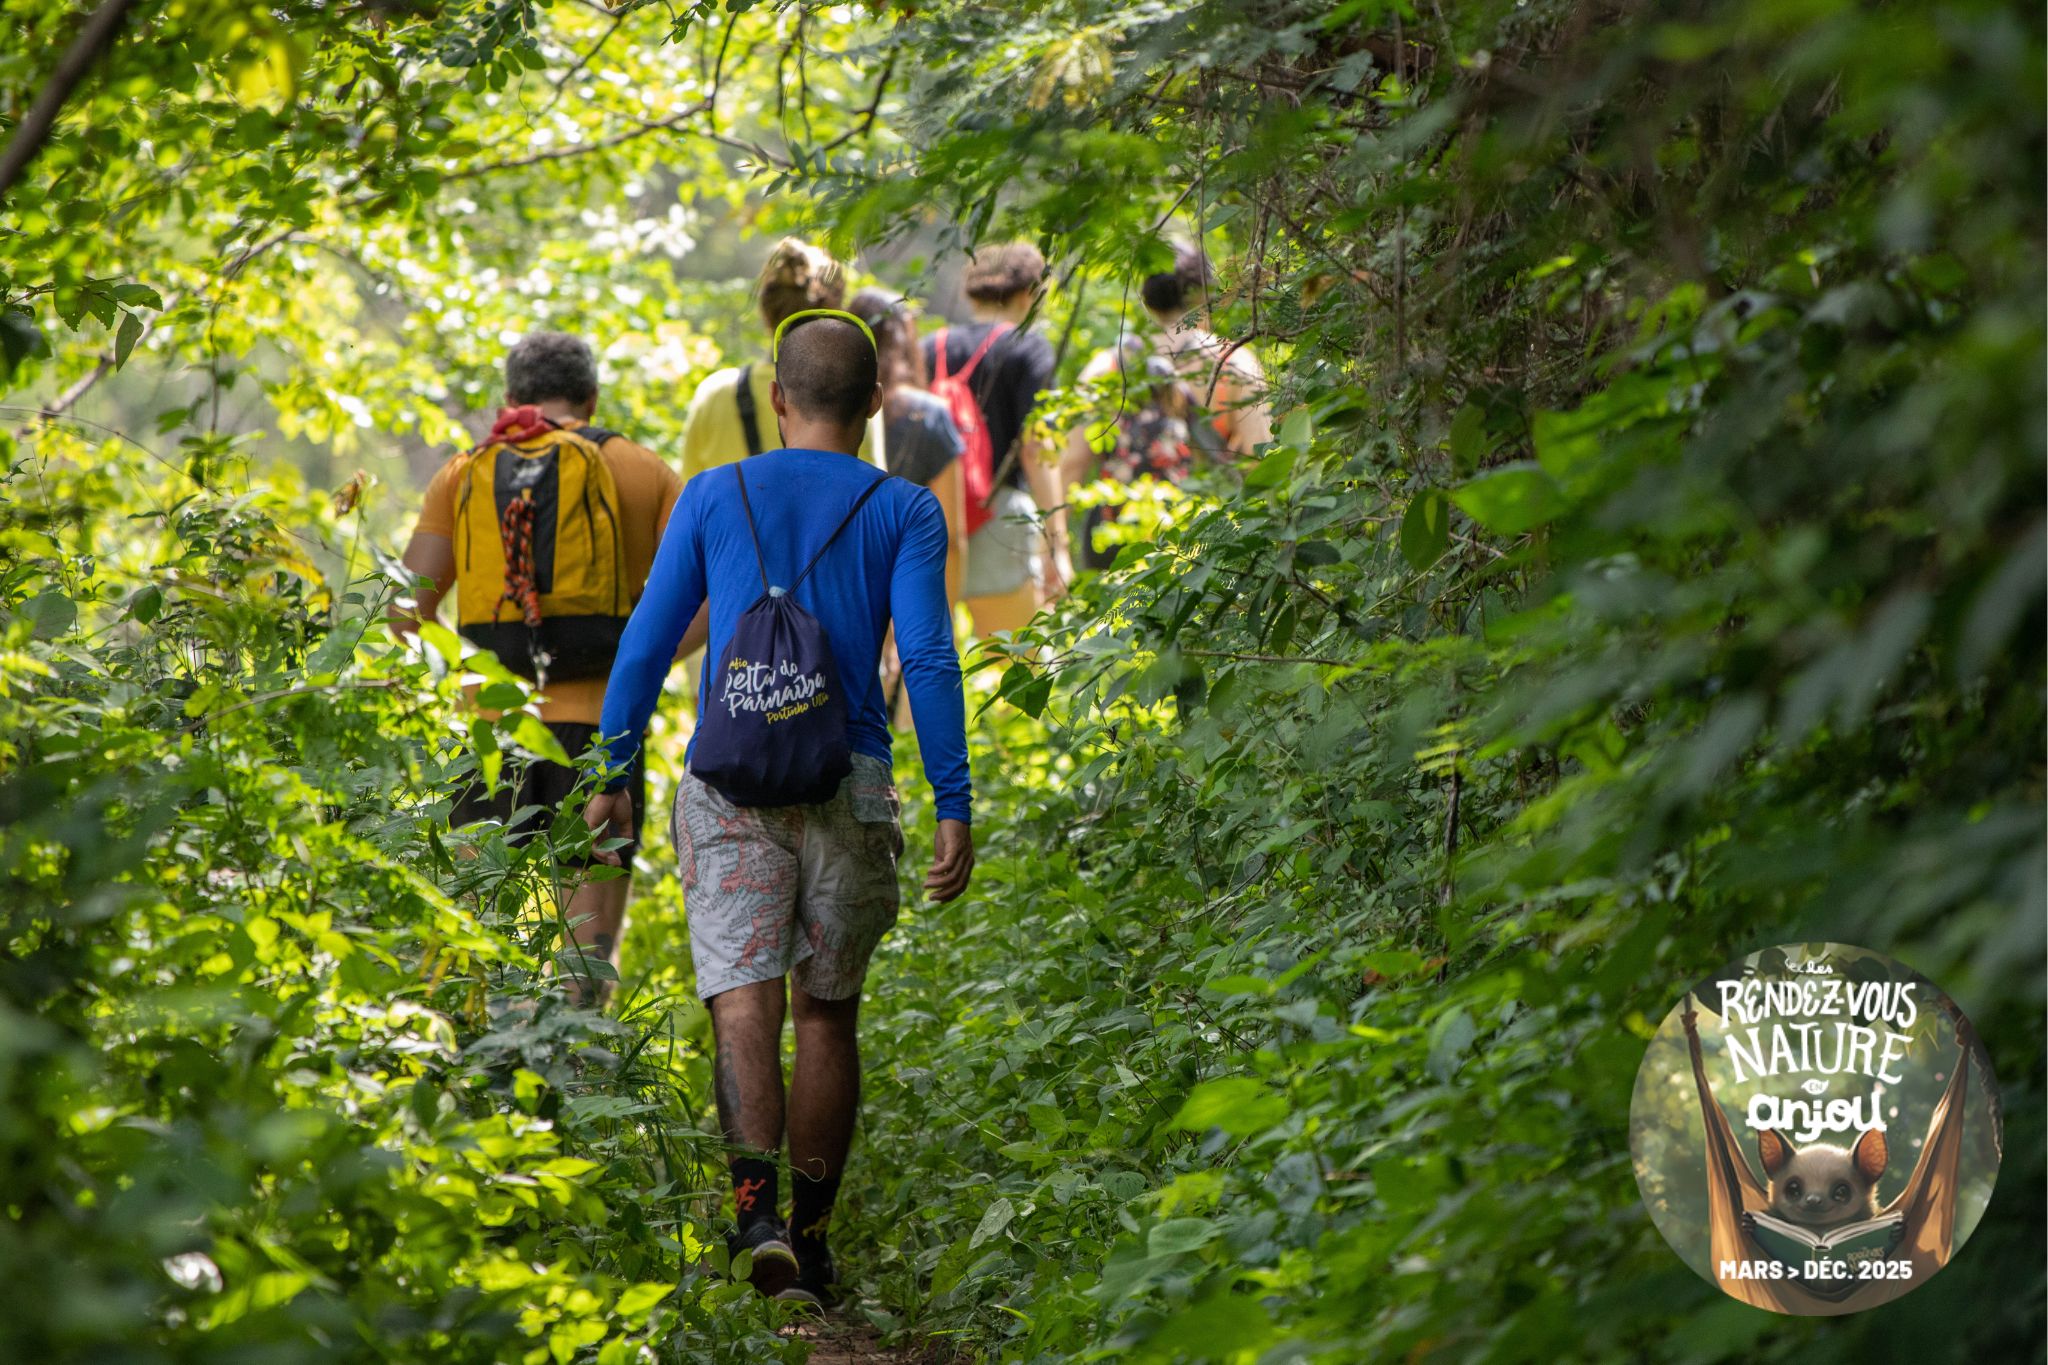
546	365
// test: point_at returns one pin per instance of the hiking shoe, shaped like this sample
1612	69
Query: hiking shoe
775	1267
817	1281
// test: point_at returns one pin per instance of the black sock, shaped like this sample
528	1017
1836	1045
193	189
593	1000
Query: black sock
810	1209
754	1195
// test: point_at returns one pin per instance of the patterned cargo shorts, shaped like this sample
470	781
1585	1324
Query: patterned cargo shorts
771	891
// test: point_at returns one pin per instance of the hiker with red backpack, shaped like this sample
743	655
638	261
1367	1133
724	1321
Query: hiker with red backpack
785	823
990	372
1178	398
545	533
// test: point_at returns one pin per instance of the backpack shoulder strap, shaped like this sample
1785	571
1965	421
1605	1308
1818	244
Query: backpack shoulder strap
995	334
939	372
844	522
750	425
753	535
597	436
465	474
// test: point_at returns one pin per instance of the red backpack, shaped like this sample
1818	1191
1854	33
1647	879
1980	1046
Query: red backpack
977	463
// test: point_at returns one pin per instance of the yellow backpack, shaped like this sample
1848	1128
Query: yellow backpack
540	565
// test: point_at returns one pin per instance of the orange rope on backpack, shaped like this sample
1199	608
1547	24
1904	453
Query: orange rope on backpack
522	586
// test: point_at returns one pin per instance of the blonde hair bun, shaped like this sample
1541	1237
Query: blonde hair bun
797	276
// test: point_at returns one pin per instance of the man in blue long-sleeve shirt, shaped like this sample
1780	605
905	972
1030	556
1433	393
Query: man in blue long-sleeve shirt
801	891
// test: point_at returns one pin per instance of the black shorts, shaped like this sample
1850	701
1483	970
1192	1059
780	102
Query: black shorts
541	783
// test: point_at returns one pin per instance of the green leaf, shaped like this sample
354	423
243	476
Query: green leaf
1236	1104
51	614
1425	528
1176	1236
1124	1185
1031	700
138	296
1297	429
1448	1039
1511	499
1468	439
501	696
101	305
531	733
125	339
334	652
993	1222
146	602
425	1102
1222	1326
20	339
640	1298
272	74
572	962
1273	470
442	641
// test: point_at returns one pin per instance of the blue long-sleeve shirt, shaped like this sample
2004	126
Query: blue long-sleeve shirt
889	563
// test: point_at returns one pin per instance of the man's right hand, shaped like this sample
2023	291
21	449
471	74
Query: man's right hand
952	861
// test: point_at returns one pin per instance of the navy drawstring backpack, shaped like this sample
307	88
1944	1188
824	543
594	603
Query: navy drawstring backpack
774	725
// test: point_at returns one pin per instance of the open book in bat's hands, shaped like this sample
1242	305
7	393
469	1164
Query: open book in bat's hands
1794	1245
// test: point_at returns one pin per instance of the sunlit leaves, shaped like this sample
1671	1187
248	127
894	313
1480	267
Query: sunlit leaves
1235	1104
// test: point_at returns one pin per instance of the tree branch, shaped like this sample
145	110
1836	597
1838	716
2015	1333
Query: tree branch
1270	658
582	61
79	59
86	382
867	115
582	148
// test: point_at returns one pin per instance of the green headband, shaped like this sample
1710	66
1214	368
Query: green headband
776	353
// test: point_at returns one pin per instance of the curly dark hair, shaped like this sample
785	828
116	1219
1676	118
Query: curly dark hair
997	272
1173	292
544	365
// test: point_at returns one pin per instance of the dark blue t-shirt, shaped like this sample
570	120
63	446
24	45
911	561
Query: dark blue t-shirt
922	439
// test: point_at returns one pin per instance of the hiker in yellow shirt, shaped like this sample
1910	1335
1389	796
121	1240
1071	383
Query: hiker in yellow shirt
730	417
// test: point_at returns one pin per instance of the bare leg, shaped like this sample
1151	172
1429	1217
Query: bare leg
597	921
824	1100
1004	611
825	1091
747	1069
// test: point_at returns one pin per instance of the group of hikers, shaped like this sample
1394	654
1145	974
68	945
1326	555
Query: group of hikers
835	500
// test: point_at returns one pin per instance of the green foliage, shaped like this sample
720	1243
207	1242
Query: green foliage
281	1071
1649	569
1662	579
319	224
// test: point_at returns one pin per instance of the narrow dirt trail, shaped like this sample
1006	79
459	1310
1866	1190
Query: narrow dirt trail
850	1343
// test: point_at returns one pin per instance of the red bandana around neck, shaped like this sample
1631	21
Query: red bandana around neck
519	424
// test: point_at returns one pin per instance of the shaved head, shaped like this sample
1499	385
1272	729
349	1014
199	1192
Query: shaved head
827	370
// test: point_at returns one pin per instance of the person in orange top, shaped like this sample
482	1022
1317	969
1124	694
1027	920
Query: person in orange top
556	374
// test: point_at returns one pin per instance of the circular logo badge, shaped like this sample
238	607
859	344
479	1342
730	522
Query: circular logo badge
1815	1129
